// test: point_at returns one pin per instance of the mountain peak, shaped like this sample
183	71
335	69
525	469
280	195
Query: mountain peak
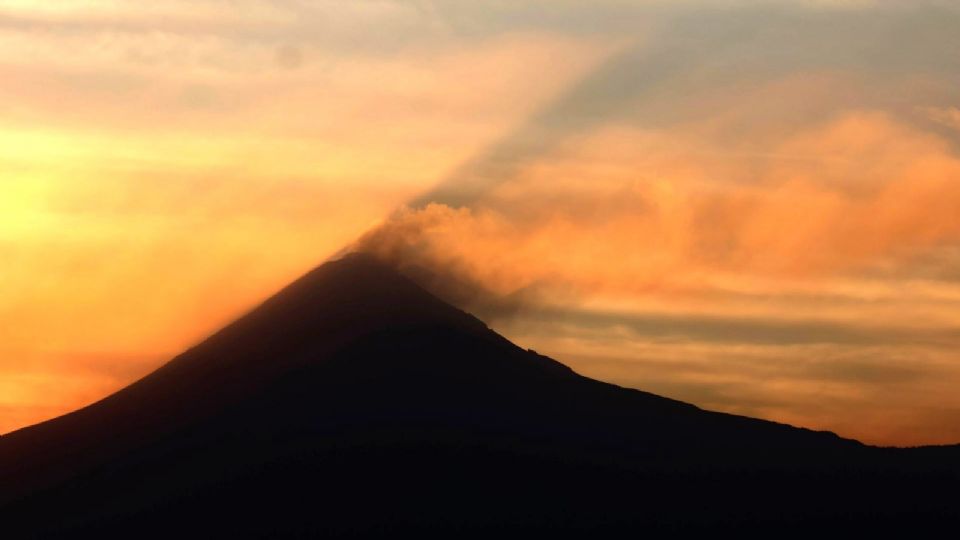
357	381
359	293
351	299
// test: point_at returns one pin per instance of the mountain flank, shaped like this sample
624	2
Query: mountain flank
354	403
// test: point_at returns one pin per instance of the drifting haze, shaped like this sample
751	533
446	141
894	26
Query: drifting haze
751	206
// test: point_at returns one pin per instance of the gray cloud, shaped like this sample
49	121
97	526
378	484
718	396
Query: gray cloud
940	264
755	331
675	68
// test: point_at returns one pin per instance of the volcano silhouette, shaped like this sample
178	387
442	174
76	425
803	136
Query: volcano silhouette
354	403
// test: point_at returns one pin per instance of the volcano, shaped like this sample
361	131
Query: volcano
355	403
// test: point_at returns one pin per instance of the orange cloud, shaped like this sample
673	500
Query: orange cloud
651	242
837	197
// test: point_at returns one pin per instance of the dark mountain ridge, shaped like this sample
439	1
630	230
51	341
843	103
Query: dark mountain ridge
355	403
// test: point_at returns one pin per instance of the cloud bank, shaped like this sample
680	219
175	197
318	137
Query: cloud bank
748	183
750	205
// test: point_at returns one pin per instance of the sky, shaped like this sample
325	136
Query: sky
751	206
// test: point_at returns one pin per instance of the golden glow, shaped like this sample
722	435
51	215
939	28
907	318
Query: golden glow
160	172
767	226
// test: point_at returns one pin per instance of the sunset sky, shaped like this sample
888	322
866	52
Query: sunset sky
751	206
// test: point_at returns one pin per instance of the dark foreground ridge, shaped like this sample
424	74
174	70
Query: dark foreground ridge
354	403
